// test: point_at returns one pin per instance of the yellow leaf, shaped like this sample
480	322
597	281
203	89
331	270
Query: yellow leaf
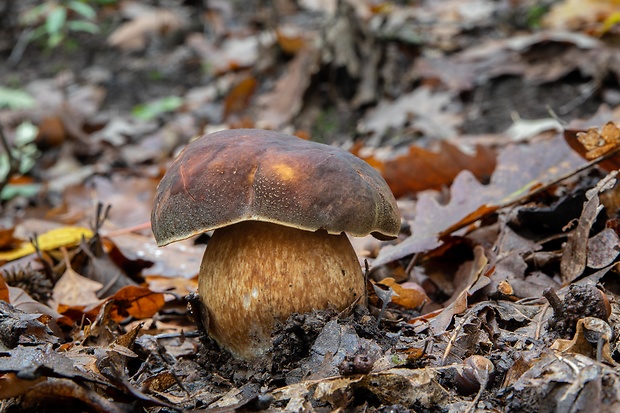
51	240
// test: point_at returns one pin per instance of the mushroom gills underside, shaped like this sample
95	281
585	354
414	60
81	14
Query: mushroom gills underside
255	273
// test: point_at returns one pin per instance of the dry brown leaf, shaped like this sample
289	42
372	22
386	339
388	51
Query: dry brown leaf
408	296
13	386
520	170
138	302
134	34
238	98
425	110
587	328
233	54
603	248
420	169
55	392
22	301
4	290
73	289
279	106
598	143
574	255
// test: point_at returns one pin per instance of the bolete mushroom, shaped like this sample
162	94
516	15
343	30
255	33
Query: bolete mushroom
279	207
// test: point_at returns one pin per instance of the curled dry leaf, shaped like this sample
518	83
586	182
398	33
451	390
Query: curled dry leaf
599	142
574	255
592	143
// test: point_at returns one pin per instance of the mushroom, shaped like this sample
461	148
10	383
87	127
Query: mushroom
279	207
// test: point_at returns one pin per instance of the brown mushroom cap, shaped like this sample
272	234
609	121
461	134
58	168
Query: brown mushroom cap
246	174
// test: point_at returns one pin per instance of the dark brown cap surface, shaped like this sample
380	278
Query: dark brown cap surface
245	174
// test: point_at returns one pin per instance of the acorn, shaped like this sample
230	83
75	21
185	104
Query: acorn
475	372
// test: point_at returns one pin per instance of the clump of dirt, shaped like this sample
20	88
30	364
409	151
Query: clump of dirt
295	345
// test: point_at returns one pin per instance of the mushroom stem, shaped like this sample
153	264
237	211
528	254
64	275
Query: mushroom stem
256	273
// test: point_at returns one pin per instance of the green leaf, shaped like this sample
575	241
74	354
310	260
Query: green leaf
25	133
56	20
83	26
11	191
15	99
55	39
82	9
148	111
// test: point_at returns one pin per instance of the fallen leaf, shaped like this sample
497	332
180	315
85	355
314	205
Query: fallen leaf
133	35
406	297
50	240
420	169
279	106
520	170
600	142
73	289
4	290
135	301
574	256
587	328
579	14
13	386
238	98
603	248
426	111
60	391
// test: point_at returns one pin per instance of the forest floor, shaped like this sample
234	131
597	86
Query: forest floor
494	123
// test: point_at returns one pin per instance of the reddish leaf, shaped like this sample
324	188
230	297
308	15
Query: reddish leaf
520	169
239	97
421	169
139	302
4	290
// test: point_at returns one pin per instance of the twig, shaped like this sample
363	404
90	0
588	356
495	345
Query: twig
20	48
457	329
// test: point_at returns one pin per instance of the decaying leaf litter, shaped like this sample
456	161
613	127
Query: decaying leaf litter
489	121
